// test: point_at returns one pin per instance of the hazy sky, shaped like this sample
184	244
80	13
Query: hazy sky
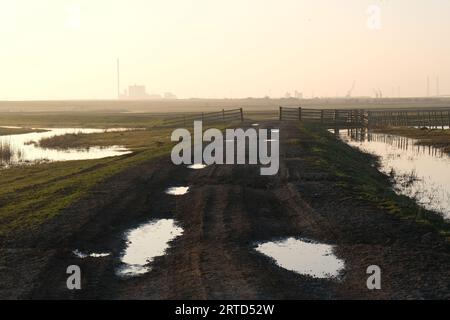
60	49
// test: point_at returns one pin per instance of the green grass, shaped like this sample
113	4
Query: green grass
359	178
31	195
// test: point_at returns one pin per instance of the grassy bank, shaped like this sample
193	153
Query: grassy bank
428	137
357	175
30	195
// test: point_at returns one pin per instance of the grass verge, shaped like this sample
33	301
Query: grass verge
358	176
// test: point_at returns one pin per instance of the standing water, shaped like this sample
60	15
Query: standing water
25	148
420	172
304	256
145	243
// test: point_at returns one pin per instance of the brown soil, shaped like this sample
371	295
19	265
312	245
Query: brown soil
228	210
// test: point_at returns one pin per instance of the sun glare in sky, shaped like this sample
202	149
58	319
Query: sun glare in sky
59	49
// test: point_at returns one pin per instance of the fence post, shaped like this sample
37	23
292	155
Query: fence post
281	113
223	115
203	117
321	116
242	115
300	114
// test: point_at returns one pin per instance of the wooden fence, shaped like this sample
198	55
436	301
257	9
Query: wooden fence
434	118
222	116
349	118
359	118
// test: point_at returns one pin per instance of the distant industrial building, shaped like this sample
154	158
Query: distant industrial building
139	92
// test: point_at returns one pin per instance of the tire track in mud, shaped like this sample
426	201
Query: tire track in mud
227	211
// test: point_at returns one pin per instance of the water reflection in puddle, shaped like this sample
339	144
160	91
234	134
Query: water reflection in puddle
82	255
24	148
304	256
197	166
255	124
145	243
177	191
420	172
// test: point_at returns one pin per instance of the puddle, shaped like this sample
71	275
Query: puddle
255	124
304	256
24	151
82	255
197	166
420	172
146	242
177	191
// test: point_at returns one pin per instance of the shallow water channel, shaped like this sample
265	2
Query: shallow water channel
24	147
419	172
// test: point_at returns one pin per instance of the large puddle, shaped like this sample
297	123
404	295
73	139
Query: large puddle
146	242
420	172
22	150
304	256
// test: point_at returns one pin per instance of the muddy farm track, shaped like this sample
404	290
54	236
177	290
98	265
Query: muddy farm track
228	209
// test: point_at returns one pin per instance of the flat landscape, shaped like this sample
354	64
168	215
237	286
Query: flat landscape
326	191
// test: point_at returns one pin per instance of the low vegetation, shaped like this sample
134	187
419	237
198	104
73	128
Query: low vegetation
134	139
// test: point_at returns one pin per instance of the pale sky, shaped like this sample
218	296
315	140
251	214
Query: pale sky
61	49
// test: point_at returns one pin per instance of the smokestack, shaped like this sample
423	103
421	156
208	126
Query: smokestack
118	79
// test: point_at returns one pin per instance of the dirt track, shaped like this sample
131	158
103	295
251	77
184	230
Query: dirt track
228	209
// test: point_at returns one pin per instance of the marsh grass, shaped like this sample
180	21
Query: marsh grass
6	152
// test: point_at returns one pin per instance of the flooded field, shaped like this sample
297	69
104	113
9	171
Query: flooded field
24	148
146	242
304	256
419	172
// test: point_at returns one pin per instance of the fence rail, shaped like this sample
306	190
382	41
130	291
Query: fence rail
359	118
326	117
410	118
206	117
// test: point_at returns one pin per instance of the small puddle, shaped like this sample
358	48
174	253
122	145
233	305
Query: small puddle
82	255
146	242
177	191
304	256
197	166
255	124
